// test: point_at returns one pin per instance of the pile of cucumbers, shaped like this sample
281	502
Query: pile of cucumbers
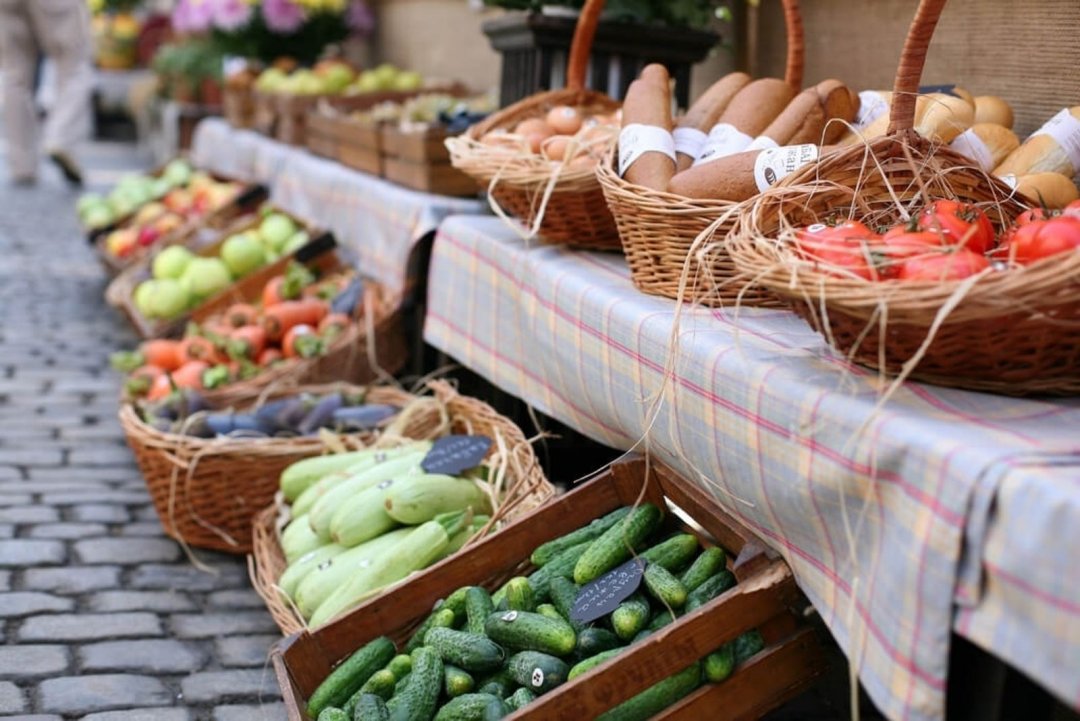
479	656
366	519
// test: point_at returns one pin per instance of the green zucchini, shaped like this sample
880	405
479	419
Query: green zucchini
301	567
299	476
470	707
719	664
297	539
655	699
371	708
546	609
456	681
417	499
400	665
311	495
563	593
664	587
614	546
709	590
519	594
497	684
362	516
588	664
420	697
333	714
470	651
417	639
478	607
674	554
526	631
315	493
747	645
350	675
547	552
630	617
593	640
710	562
519	699
324	510
561	566
538	672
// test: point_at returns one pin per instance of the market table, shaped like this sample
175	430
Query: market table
376	220
903	521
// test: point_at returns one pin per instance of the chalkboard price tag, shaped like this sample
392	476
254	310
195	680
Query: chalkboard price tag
602	596
453	454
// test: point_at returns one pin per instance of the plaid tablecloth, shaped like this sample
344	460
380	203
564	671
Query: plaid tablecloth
375	220
940	509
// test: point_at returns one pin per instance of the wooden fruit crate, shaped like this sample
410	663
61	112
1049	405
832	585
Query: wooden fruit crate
239	106
419	160
765	598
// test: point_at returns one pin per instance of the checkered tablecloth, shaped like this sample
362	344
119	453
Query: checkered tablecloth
940	509
375	220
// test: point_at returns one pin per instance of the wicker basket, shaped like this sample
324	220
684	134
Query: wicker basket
207	491
1014	332
447	411
660	231
239	106
562	206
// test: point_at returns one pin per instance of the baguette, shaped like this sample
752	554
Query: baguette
940	117
750	112
735	177
1043	152
802	121
992	109
706	111
648	102
1050	190
986	143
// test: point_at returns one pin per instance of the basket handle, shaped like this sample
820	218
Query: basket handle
582	44
912	60
796	48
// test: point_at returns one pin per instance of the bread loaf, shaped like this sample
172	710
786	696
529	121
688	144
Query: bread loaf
648	102
986	143
751	111
802	121
992	109
743	175
841	105
872	105
964	95
1054	148
940	117
706	111
1051	190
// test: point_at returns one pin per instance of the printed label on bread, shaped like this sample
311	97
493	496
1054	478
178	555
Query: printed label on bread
775	164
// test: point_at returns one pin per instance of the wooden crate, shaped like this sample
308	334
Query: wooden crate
765	598
239	106
419	160
418	146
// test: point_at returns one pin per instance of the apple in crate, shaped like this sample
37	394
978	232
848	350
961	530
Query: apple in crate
242	254
276	229
178	200
205	277
148	212
165	298
148	235
122	242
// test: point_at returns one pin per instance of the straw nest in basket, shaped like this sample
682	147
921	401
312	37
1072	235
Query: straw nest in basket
1008	329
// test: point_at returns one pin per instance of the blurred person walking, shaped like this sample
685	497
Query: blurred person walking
59	30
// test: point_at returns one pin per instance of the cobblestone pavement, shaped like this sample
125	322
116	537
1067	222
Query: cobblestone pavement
101	616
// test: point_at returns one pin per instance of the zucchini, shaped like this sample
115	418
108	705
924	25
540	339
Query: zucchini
563	593
420	697
664	587
719	664
594	640
519	595
333	714
301	567
588	664
497	684
470	651
362	516
674	554
322	513
299	476
350	675
381	684
519	699
562	566
470	707
478	607
307	500
418	550
710	562
614	546
370	708
417	639
417	499
400	665
538	672
709	590
456	681
630	617
655	699
297	539
526	631
547	552
546	609
747	645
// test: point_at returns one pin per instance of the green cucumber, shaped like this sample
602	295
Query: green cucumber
327	507
297	539
546	609
588	664
538	672
630	617
456	681
614	546
350	675
470	651
495	710
655	699
401	684
710	562
593	640
497	684
400	665
519	594
519	699
371	708
419	698
674	554
470	707
546	552
664	587
719	664
380	684
436	618
563	593
562	566
420	498
301	567
747	645
333	714
526	631
478	607
709	590
659	621
456	603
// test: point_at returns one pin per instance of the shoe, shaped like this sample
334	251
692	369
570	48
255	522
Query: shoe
67	166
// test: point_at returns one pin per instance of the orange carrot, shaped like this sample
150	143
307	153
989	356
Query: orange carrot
301	341
268	356
164	354
190	375
241	314
247	342
197	348
272	291
159	388
278	319
141	380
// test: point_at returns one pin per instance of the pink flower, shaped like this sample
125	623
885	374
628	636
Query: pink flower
359	18
191	16
230	15
283	16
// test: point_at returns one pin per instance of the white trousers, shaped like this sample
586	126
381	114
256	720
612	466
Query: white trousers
59	29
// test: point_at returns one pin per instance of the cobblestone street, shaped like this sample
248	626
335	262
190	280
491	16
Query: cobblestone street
102	617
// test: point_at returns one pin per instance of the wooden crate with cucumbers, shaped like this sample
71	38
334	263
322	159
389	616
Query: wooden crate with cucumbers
583	628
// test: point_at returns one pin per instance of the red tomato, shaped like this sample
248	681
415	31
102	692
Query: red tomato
959	223
900	244
1042	239
1072	210
944	266
838	249
1032	214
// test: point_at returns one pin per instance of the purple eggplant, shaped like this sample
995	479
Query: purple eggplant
362	418
348	299
321	414
221	424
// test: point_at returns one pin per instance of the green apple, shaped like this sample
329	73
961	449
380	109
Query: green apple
386	73
336	78
167	298
242	254
122	205
205	277
87	201
276	229
98	216
172	262
177	172
408	81
270	80
159	188
142	294
295	243
368	82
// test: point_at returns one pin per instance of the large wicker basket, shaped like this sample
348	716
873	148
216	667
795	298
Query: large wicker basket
1012	332
207	491
564	205
526	487
661	232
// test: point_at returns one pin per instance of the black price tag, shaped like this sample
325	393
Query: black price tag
602	596
453	454
945	89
